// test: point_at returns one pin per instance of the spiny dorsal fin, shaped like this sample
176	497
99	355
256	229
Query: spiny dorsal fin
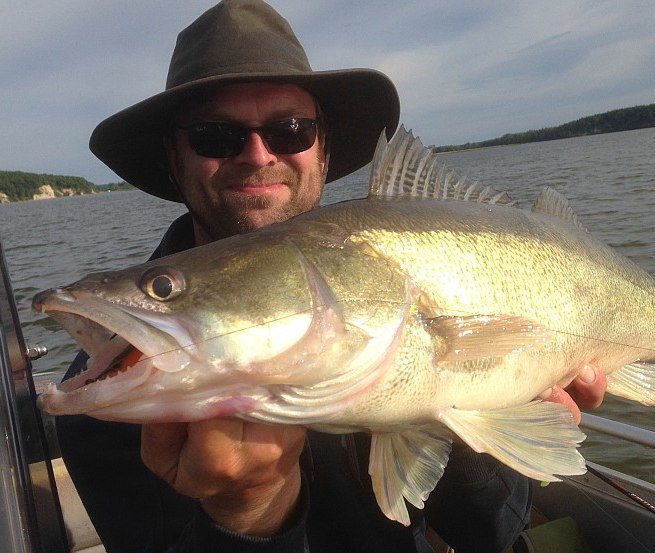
404	168
551	202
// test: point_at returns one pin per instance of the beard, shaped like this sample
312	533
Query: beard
220	217
233	221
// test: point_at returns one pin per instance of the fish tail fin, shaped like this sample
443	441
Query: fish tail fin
405	168
538	439
635	381
407	465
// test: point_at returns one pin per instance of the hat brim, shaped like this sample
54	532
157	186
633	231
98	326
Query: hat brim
358	103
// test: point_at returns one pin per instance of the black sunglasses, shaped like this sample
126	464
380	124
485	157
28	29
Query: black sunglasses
220	139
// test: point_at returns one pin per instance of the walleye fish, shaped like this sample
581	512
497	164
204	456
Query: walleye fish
431	306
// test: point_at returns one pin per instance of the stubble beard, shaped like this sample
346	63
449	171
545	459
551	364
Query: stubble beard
241	216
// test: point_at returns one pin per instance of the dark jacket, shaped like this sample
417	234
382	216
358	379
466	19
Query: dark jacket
478	506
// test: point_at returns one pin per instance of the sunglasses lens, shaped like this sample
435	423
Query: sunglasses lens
221	140
290	137
217	139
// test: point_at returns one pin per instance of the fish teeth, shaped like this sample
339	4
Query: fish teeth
109	373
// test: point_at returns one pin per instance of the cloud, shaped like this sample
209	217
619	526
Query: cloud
465	70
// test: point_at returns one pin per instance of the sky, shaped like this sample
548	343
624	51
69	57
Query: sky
465	70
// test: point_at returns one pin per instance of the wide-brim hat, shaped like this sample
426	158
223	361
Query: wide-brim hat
240	41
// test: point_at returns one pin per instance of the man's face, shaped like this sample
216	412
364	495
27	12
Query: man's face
256	187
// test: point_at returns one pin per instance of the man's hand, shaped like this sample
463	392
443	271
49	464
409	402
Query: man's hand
586	391
246	475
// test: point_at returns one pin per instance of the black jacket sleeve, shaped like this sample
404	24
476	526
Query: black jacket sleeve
203	535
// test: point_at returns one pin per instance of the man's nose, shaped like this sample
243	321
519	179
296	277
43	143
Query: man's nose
255	152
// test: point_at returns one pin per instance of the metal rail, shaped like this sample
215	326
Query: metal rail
619	430
30	516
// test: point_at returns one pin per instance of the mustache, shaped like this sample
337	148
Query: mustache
260	177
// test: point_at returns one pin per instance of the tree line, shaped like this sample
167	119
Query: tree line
624	119
18	185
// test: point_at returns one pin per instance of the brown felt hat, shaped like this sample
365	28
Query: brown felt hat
240	41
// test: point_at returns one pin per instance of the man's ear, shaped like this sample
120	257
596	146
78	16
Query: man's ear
173	158
326	155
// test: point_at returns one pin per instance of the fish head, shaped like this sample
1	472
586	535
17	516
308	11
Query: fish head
239	313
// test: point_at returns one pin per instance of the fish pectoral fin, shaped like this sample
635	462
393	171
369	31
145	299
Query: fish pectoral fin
407	465
463	338
635	381
538	439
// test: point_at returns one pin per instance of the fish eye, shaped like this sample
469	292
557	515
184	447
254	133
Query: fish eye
163	283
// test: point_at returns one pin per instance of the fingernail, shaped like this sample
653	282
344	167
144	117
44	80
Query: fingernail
587	375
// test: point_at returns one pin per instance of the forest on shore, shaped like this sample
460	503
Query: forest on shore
624	119
16	186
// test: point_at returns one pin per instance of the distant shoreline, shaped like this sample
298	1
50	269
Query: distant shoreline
18	186
618	120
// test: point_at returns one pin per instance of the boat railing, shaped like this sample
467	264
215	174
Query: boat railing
617	429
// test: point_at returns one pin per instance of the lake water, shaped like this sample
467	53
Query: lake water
609	179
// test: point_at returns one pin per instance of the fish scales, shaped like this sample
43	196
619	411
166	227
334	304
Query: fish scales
545	269
433	306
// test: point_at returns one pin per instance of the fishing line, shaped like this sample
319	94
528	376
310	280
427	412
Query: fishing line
556	331
219	336
459	312
637	499
591	499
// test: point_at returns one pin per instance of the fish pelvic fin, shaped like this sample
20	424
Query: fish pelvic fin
635	381
538	439
551	202
405	168
407	466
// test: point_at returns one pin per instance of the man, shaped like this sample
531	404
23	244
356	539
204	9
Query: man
246	134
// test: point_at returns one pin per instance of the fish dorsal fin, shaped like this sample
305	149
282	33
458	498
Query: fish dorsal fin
551	202
405	168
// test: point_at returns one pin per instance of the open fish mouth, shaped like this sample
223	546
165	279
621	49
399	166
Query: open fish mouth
116	358
124	346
